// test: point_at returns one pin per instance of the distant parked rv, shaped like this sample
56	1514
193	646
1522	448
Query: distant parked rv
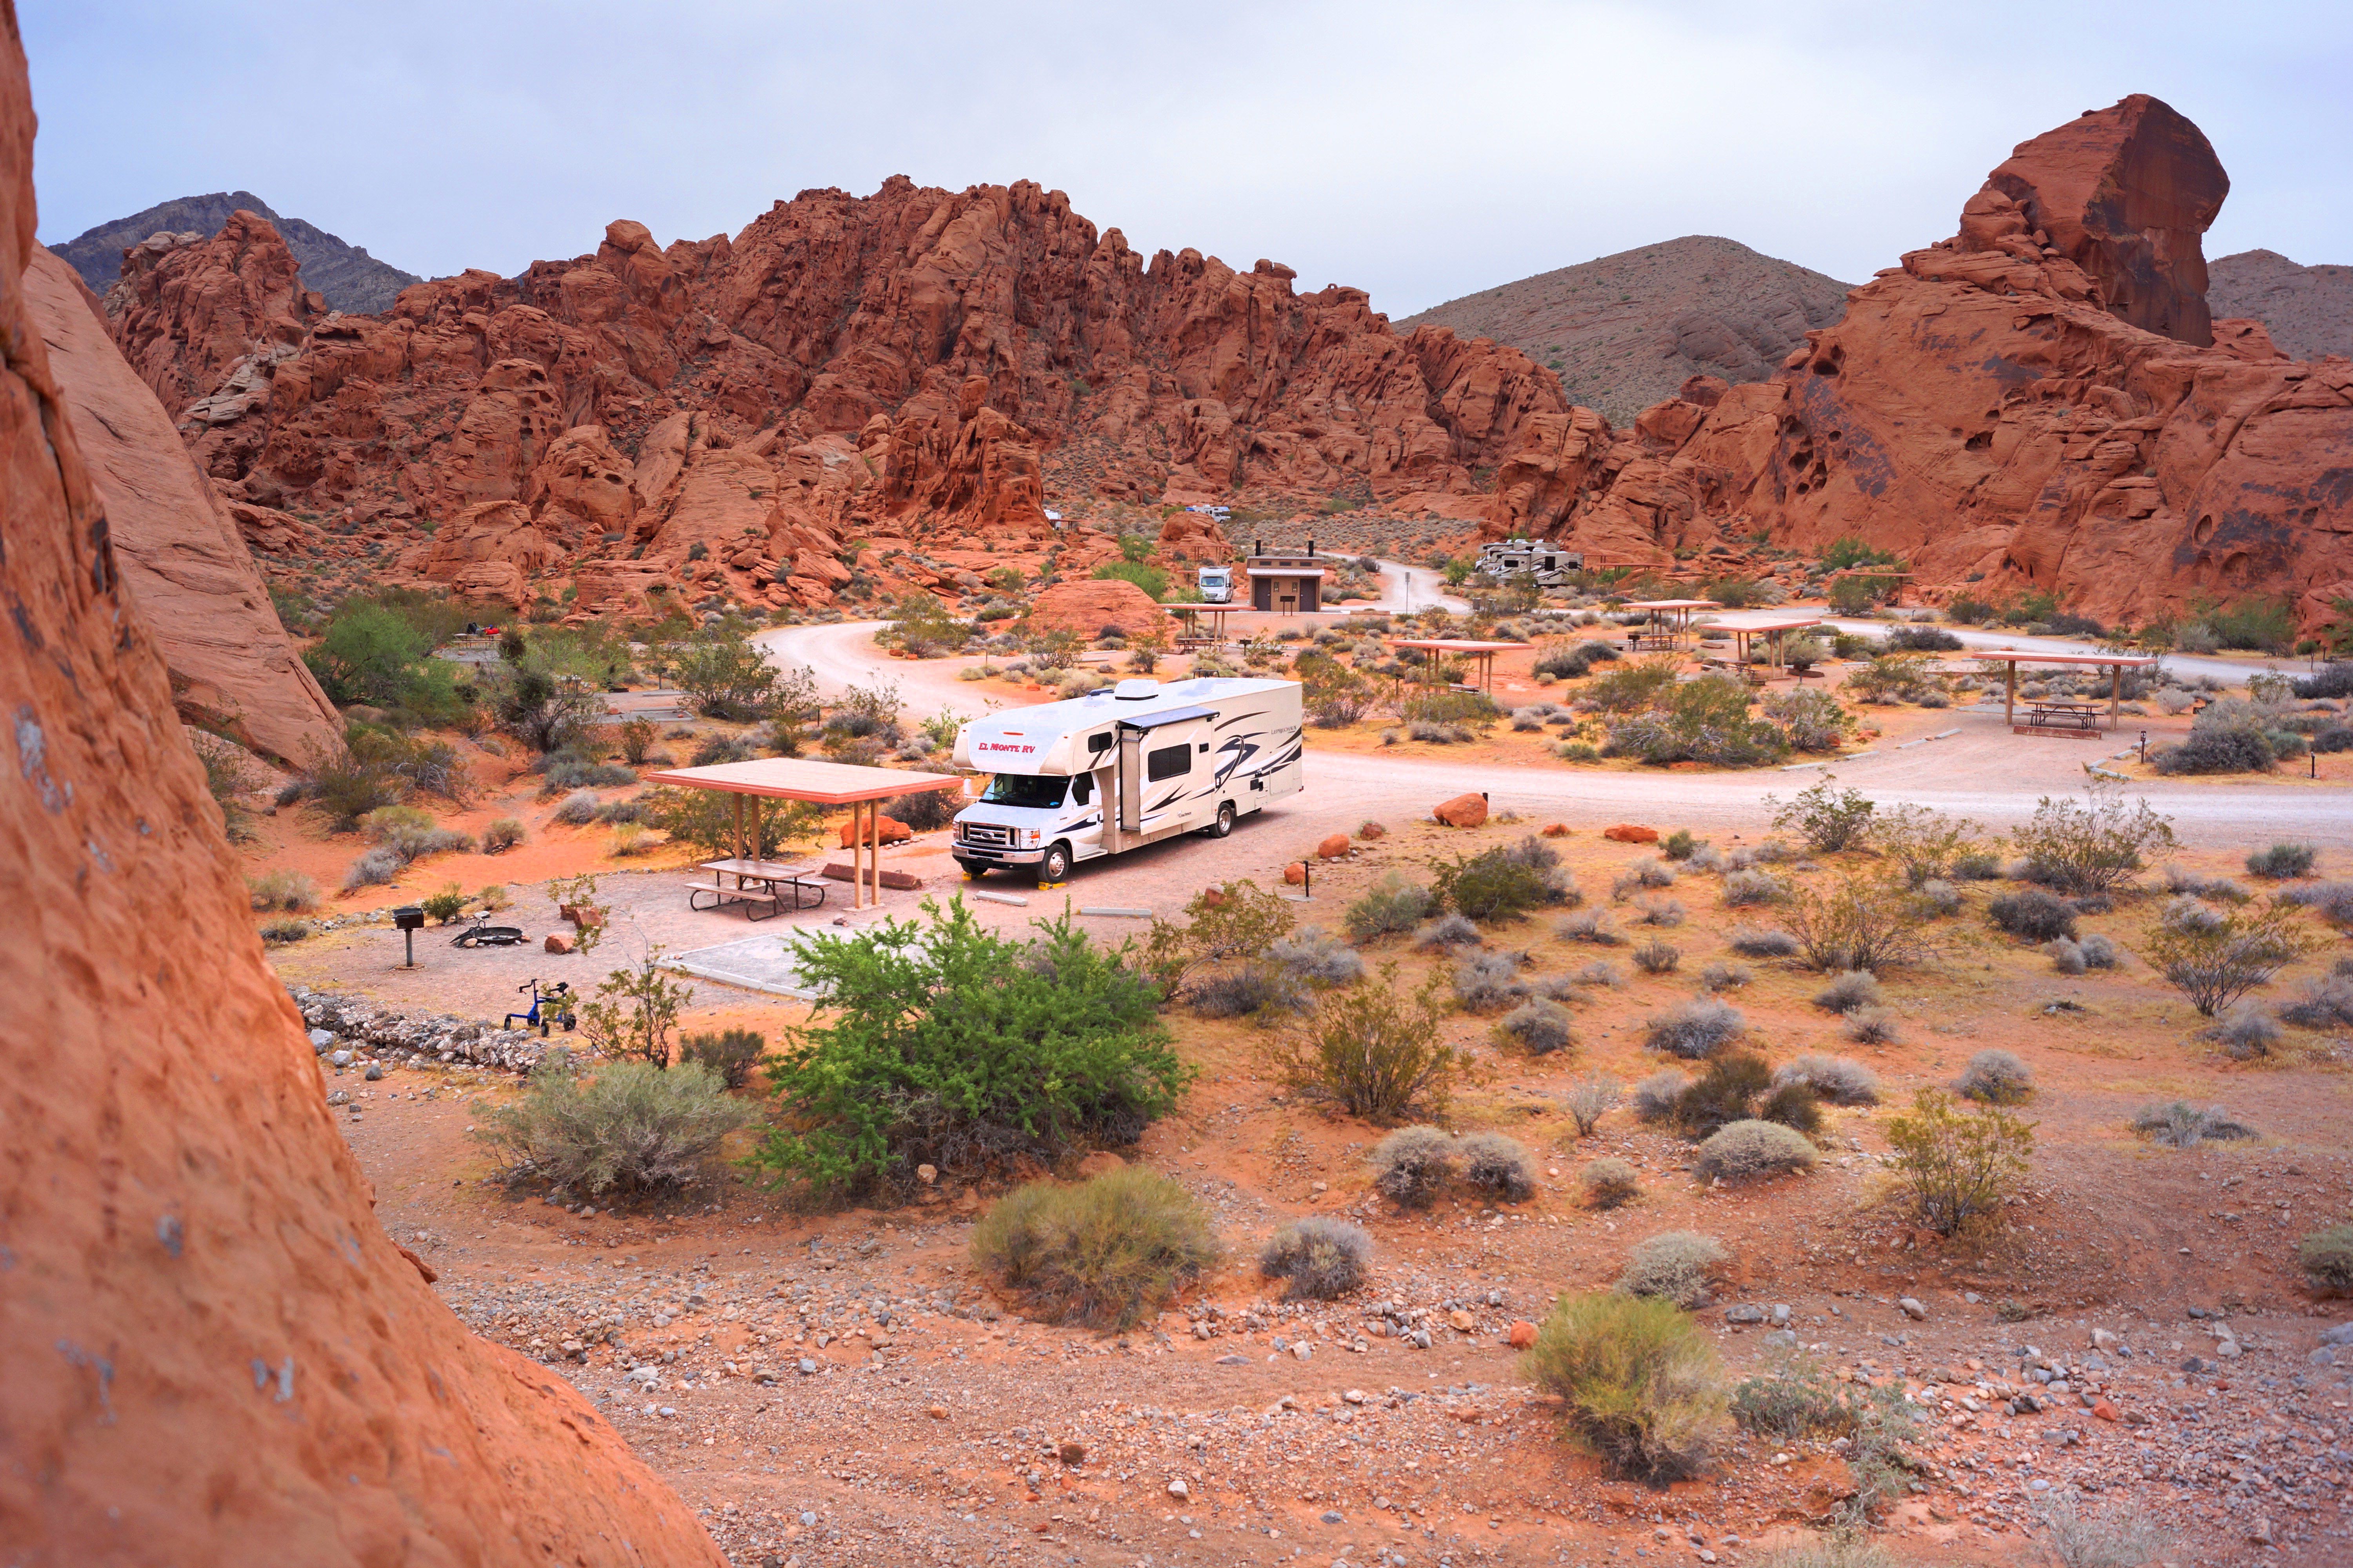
1510	557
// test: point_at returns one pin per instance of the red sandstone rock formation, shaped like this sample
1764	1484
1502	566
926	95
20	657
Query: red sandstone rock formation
214	1353
893	368
1991	412
1088	607
183	562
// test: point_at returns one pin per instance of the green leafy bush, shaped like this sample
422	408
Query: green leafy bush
945	1044
632	1127
1959	1165
445	906
1393	905
373	653
2086	847
1320	1259
1829	819
1106	1253
1502	883
634	1011
1372	1051
1236	921
2221	958
1856	923
1639	1382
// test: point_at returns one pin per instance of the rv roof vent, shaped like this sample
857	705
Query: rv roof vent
1135	690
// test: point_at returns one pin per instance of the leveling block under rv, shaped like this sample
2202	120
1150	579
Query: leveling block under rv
1124	767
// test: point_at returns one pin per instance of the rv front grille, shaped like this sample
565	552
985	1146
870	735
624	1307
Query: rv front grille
986	833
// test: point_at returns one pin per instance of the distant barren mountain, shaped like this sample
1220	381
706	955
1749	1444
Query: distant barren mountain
1625	331
2308	310
345	275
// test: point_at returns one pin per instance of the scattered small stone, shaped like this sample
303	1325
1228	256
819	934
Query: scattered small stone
1912	1308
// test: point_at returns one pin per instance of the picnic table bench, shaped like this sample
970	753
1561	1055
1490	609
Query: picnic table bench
2057	715
757	884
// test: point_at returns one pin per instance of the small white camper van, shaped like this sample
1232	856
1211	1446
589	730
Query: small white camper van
1216	584
1124	767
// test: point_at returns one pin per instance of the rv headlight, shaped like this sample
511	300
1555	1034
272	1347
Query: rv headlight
1033	836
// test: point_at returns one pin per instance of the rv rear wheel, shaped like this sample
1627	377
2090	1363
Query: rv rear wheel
1225	823
1056	865
974	867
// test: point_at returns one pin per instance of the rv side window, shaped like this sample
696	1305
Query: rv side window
1167	762
1082	789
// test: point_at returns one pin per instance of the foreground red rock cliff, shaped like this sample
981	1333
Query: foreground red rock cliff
2038	402
215	1354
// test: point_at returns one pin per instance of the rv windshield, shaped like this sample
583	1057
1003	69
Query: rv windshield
1033	791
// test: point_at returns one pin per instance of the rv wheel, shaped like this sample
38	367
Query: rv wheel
1225	823
1056	866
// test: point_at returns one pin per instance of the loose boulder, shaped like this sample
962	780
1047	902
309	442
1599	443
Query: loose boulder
1463	811
1631	833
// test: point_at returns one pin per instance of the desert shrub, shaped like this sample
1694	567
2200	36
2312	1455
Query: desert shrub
1373	1050
1505	882
578	807
2179	878
1923	844
1722	976
1751	941
1848	991
2334	899
1834	1079
927	811
2245	1032
1658	912
1694	1029
380	652
637	740
1871	1027
1392	905
1648	872
1936	899
2186	914
1589	925
572	769
1723	1094
1497	1166
1609	1182
445	906
2181	1125
1996	1077
1637	686
1793	1397
1656	957
2217	748
1676	1266
1588	1100
1574	663
2033	915
621	813
948	1045
1106	1253
502	834
1857	923
732	1054
1540	1027
1263	992
1657	1097
283	889
2326	1004
2215	961
1488	982
2326	1258
2074	1537
1639	1384
1828	819
728	676
2281	862
1235	922
1321	1259
1959	1165
2088	847
632	1127
1412	1165
373	868
1746	1151
1743	889
1599	972
1311	954
1679	844
279	932
1448	931
1976	866
1809	720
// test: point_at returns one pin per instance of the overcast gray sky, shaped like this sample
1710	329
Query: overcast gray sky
1420	151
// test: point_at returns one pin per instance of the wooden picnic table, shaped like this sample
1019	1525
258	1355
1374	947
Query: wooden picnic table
2054	714
755	884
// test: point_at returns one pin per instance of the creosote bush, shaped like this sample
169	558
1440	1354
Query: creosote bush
1107	1253
1834	1079
632	1126
1639	1382
1746	1150
2214	959
1373	1050
2088	847
1959	1165
1609	1183
1677	1266
1391	907
1694	1029
1996	1077
1858	923
1320	1259
2326	1258
1412	1165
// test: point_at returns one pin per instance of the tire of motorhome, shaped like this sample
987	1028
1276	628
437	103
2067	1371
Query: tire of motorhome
1225	823
974	867
1054	866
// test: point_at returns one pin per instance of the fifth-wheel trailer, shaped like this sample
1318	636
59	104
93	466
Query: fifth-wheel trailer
1124	767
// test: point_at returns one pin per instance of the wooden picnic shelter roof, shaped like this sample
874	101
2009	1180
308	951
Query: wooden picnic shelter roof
799	778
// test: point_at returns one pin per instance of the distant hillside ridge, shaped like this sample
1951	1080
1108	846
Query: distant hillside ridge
1624	330
2308	310
345	275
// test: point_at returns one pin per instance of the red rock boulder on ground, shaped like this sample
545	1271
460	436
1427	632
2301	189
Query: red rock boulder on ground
214	1353
1631	833
1334	847
1463	811
888	829
1088	607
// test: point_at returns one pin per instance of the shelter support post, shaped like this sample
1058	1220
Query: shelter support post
2010	693
739	828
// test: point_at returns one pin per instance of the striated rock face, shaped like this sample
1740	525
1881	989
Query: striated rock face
214	1353
901	365
1989	412
182	560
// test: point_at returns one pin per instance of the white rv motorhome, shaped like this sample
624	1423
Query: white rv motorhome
1216	584
1124	767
